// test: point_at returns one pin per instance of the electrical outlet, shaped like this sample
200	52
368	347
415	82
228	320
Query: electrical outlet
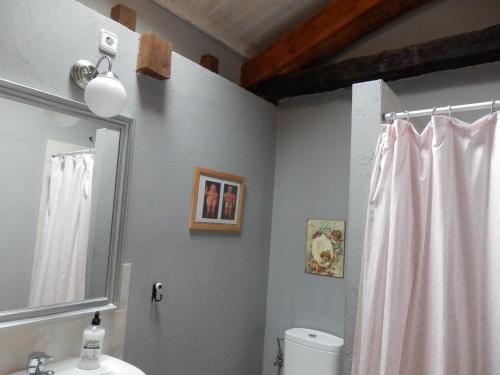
108	42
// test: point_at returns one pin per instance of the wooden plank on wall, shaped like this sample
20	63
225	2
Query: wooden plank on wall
453	52
124	15
210	62
332	29
155	56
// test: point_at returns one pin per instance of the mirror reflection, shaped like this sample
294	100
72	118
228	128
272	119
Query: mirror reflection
56	199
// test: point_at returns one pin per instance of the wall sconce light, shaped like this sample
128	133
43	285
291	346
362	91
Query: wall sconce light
104	93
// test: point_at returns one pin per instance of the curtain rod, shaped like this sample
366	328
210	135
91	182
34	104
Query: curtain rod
442	110
91	151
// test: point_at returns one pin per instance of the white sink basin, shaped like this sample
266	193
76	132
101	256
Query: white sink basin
109	366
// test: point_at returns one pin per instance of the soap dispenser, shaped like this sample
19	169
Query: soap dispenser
93	338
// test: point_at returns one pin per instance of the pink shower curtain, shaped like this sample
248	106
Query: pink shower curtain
429	301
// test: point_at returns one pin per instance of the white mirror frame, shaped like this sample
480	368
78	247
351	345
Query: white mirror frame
125	125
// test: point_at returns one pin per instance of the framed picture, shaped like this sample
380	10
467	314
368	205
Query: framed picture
325	247
217	201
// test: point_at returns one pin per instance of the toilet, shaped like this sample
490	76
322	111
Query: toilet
312	352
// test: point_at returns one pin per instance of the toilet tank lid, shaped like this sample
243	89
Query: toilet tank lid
315	339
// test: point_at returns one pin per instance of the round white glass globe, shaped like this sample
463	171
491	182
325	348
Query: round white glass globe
105	95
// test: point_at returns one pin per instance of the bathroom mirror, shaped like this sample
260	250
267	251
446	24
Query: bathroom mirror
63	185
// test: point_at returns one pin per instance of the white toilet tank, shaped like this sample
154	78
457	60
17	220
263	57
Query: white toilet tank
309	352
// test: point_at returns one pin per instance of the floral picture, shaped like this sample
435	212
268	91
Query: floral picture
325	247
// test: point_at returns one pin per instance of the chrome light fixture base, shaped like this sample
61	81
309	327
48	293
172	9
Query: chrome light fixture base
82	72
104	93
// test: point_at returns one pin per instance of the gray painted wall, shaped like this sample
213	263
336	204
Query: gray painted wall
311	181
107	144
187	40
212	318
369	101
469	85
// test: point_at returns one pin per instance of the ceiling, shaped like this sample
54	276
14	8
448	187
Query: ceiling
245	26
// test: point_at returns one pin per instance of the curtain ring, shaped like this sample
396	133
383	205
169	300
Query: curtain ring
407	116
493	105
392	117
434	111
449	110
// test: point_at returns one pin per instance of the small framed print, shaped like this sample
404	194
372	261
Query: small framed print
325	246
217	201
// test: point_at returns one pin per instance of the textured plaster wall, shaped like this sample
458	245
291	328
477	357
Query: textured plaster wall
369	101
212	317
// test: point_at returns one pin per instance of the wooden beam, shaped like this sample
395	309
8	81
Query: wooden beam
453	52
124	15
155	56
210	62
332	29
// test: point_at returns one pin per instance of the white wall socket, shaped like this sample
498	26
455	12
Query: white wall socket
108	42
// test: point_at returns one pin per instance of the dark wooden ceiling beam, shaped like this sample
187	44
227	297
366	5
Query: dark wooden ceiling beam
453	52
332	29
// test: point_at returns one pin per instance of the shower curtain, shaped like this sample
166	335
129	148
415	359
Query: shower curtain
59	265
429	298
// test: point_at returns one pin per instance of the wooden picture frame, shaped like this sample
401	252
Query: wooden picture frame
217	201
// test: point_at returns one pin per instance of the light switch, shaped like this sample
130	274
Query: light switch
108	42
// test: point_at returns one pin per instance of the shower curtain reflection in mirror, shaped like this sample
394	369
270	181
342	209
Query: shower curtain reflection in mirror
60	204
60	260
